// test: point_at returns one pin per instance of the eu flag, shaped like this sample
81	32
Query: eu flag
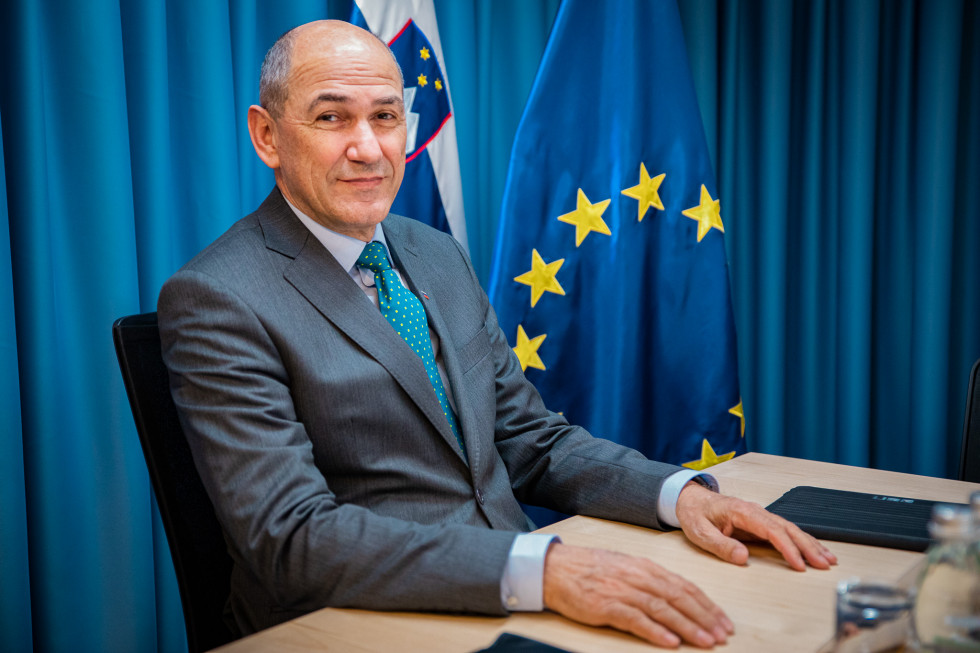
610	277
432	190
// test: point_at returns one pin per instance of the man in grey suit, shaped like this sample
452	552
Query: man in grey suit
338	475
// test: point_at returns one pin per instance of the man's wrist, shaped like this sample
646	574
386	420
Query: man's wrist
701	480
671	490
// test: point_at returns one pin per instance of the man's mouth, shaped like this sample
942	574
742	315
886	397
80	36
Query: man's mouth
363	182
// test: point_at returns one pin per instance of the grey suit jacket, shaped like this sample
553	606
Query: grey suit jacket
314	427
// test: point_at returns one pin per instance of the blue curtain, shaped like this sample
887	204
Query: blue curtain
846	136
845	139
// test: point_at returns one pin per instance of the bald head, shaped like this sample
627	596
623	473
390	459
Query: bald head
324	37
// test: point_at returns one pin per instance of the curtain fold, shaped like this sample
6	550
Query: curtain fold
965	325
938	45
845	137
15	589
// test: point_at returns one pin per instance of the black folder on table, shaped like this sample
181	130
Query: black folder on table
859	517
510	643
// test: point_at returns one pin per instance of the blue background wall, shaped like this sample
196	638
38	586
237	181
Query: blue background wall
845	137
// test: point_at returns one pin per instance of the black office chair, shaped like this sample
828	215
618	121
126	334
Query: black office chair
970	457
197	547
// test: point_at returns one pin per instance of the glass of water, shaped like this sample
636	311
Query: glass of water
872	616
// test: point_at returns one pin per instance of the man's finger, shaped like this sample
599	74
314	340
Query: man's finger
675	599
706	535
699	622
634	620
796	547
753	519
815	553
668	616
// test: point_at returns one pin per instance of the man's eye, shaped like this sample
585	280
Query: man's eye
327	117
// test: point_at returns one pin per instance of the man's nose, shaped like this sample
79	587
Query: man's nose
364	146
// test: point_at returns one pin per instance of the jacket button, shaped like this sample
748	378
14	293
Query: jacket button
479	496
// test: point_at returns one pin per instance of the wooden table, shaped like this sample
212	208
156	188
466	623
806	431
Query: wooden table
773	607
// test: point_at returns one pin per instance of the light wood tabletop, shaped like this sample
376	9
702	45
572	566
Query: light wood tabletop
773	607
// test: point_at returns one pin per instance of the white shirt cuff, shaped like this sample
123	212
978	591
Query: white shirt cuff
671	489
522	586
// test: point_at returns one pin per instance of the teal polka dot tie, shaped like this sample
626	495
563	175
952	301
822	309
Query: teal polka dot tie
405	313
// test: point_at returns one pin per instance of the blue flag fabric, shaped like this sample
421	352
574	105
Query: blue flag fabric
431	191
610	277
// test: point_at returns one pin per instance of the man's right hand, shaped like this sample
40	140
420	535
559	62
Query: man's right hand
603	588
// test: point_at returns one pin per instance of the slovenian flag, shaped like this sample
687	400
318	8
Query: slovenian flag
432	191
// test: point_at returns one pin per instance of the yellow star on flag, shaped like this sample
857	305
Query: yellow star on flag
422	80
647	192
424	53
541	277
438	84
587	217
739	412
527	349
708	457
707	213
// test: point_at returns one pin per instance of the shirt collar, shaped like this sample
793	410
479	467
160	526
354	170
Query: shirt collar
346	249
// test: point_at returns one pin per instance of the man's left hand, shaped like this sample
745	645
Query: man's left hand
717	523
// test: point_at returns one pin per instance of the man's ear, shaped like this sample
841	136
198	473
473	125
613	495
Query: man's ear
262	129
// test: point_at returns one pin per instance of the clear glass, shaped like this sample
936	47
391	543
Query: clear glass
872	616
947	608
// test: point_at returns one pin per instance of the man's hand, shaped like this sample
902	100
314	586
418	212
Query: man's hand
716	523
603	588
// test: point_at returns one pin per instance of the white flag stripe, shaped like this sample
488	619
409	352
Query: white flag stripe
445	163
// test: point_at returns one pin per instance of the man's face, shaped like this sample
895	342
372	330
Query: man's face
341	138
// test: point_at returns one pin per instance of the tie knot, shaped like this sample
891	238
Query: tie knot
374	257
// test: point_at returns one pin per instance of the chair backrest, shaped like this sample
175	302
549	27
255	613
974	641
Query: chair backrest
197	547
970	457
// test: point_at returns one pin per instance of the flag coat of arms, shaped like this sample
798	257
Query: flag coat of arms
610	276
432	190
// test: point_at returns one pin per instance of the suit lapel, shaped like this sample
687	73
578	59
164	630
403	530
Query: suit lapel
317	275
423	280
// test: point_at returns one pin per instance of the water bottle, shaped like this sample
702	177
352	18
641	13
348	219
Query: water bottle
946	615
